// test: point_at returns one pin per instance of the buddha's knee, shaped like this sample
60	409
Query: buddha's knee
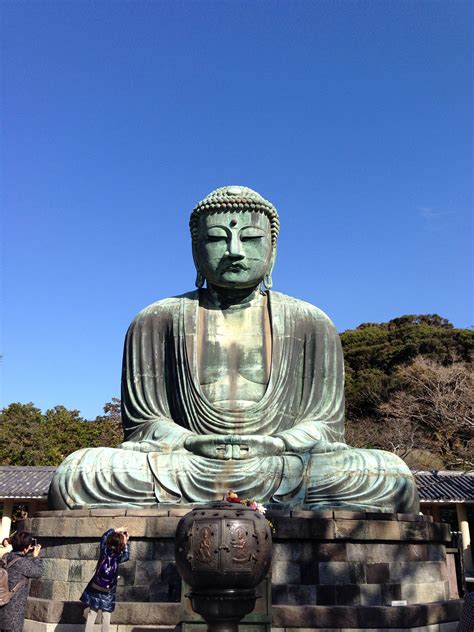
85	459
360	479
74	480
62	492
389	461
359	460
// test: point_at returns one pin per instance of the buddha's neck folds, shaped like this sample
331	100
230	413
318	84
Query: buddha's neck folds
228	297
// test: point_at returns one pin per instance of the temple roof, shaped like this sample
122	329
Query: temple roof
25	481
439	486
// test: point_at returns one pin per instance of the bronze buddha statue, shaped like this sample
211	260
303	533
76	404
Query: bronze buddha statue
235	386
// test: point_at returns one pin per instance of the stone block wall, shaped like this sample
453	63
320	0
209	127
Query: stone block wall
344	568
358	574
357	559
320	558
70	541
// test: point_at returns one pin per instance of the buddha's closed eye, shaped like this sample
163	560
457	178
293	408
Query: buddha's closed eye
250	237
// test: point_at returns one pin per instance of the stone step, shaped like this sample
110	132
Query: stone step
34	626
137	613
167	616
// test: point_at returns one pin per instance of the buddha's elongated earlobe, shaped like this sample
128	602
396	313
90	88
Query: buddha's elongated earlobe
200	279
267	282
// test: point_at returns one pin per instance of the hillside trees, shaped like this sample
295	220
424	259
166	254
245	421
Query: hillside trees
409	390
434	403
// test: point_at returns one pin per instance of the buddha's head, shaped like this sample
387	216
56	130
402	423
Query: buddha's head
234	232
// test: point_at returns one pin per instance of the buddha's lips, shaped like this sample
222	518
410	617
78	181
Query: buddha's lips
236	267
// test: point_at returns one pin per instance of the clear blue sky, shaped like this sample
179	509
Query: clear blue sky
353	118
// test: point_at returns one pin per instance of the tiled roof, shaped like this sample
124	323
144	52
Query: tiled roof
25	481
445	486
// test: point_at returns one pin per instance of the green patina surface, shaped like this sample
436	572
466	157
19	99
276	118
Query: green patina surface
235	386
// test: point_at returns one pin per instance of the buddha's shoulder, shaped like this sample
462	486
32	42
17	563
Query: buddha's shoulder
164	308
301	310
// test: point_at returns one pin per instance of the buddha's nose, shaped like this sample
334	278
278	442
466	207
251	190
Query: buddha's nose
234	247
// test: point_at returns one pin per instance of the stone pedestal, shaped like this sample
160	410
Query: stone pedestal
331	570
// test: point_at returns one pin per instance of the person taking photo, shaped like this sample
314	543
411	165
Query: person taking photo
23	563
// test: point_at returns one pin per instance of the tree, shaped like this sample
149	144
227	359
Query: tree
112	412
28	437
435	403
110	424
20	441
374	351
427	420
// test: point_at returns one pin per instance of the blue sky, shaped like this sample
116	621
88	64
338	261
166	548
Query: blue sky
353	118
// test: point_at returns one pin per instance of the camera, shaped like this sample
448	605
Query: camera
34	541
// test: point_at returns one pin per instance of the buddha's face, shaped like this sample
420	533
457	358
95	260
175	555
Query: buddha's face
234	249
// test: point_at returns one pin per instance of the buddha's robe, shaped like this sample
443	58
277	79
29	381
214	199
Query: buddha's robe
303	404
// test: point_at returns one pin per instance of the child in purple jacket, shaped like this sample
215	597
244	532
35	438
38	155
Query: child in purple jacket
100	591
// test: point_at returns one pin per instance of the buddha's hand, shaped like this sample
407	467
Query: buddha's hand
236	447
149	446
324	446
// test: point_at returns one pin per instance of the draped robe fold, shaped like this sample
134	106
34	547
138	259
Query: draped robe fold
162	404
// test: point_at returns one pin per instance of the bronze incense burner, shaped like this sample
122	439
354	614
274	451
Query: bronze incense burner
223	550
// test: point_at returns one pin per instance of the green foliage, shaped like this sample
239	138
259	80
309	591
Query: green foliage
109	425
408	390
366	390
29	437
374	351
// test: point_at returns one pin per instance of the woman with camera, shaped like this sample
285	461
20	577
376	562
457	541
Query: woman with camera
23	563
100	591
